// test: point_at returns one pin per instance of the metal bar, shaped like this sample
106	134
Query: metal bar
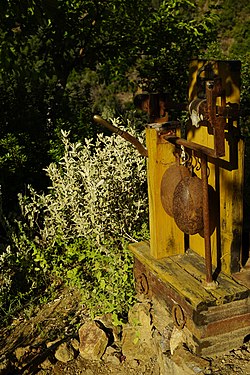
213	91
190	145
142	150
208	257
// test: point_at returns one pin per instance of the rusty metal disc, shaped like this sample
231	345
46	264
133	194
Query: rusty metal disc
173	175
188	205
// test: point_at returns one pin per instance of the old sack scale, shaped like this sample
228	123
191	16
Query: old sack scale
194	265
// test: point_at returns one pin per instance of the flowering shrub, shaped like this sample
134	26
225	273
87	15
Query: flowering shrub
98	191
78	231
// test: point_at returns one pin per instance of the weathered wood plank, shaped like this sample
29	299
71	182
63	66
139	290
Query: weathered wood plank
170	272
218	344
227	290
165	237
215	313
243	277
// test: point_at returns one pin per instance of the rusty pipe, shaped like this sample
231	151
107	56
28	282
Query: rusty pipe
128	137
206	221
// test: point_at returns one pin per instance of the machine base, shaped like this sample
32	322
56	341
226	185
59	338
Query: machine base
218	318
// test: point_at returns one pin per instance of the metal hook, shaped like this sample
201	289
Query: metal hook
197	166
184	156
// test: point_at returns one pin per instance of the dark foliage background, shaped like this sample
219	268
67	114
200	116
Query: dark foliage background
62	61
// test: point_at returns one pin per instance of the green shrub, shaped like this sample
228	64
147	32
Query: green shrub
78	232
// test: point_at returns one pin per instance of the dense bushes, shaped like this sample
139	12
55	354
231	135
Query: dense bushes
77	233
60	59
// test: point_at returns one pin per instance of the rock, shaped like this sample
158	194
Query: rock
208	372
109	351
5	366
162	340
181	363
189	362
46	364
176	340
112	356
159	311
64	353
139	314
134	364
134	345
56	369
239	353
157	339
93	341
162	348
169	367
21	352
140	318
180	337
75	344
106	321
137	342
50	344
88	372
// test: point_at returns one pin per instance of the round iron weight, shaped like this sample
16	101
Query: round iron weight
173	175
188	205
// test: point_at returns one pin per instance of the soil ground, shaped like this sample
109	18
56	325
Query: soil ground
60	320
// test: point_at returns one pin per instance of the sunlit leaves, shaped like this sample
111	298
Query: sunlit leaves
77	232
